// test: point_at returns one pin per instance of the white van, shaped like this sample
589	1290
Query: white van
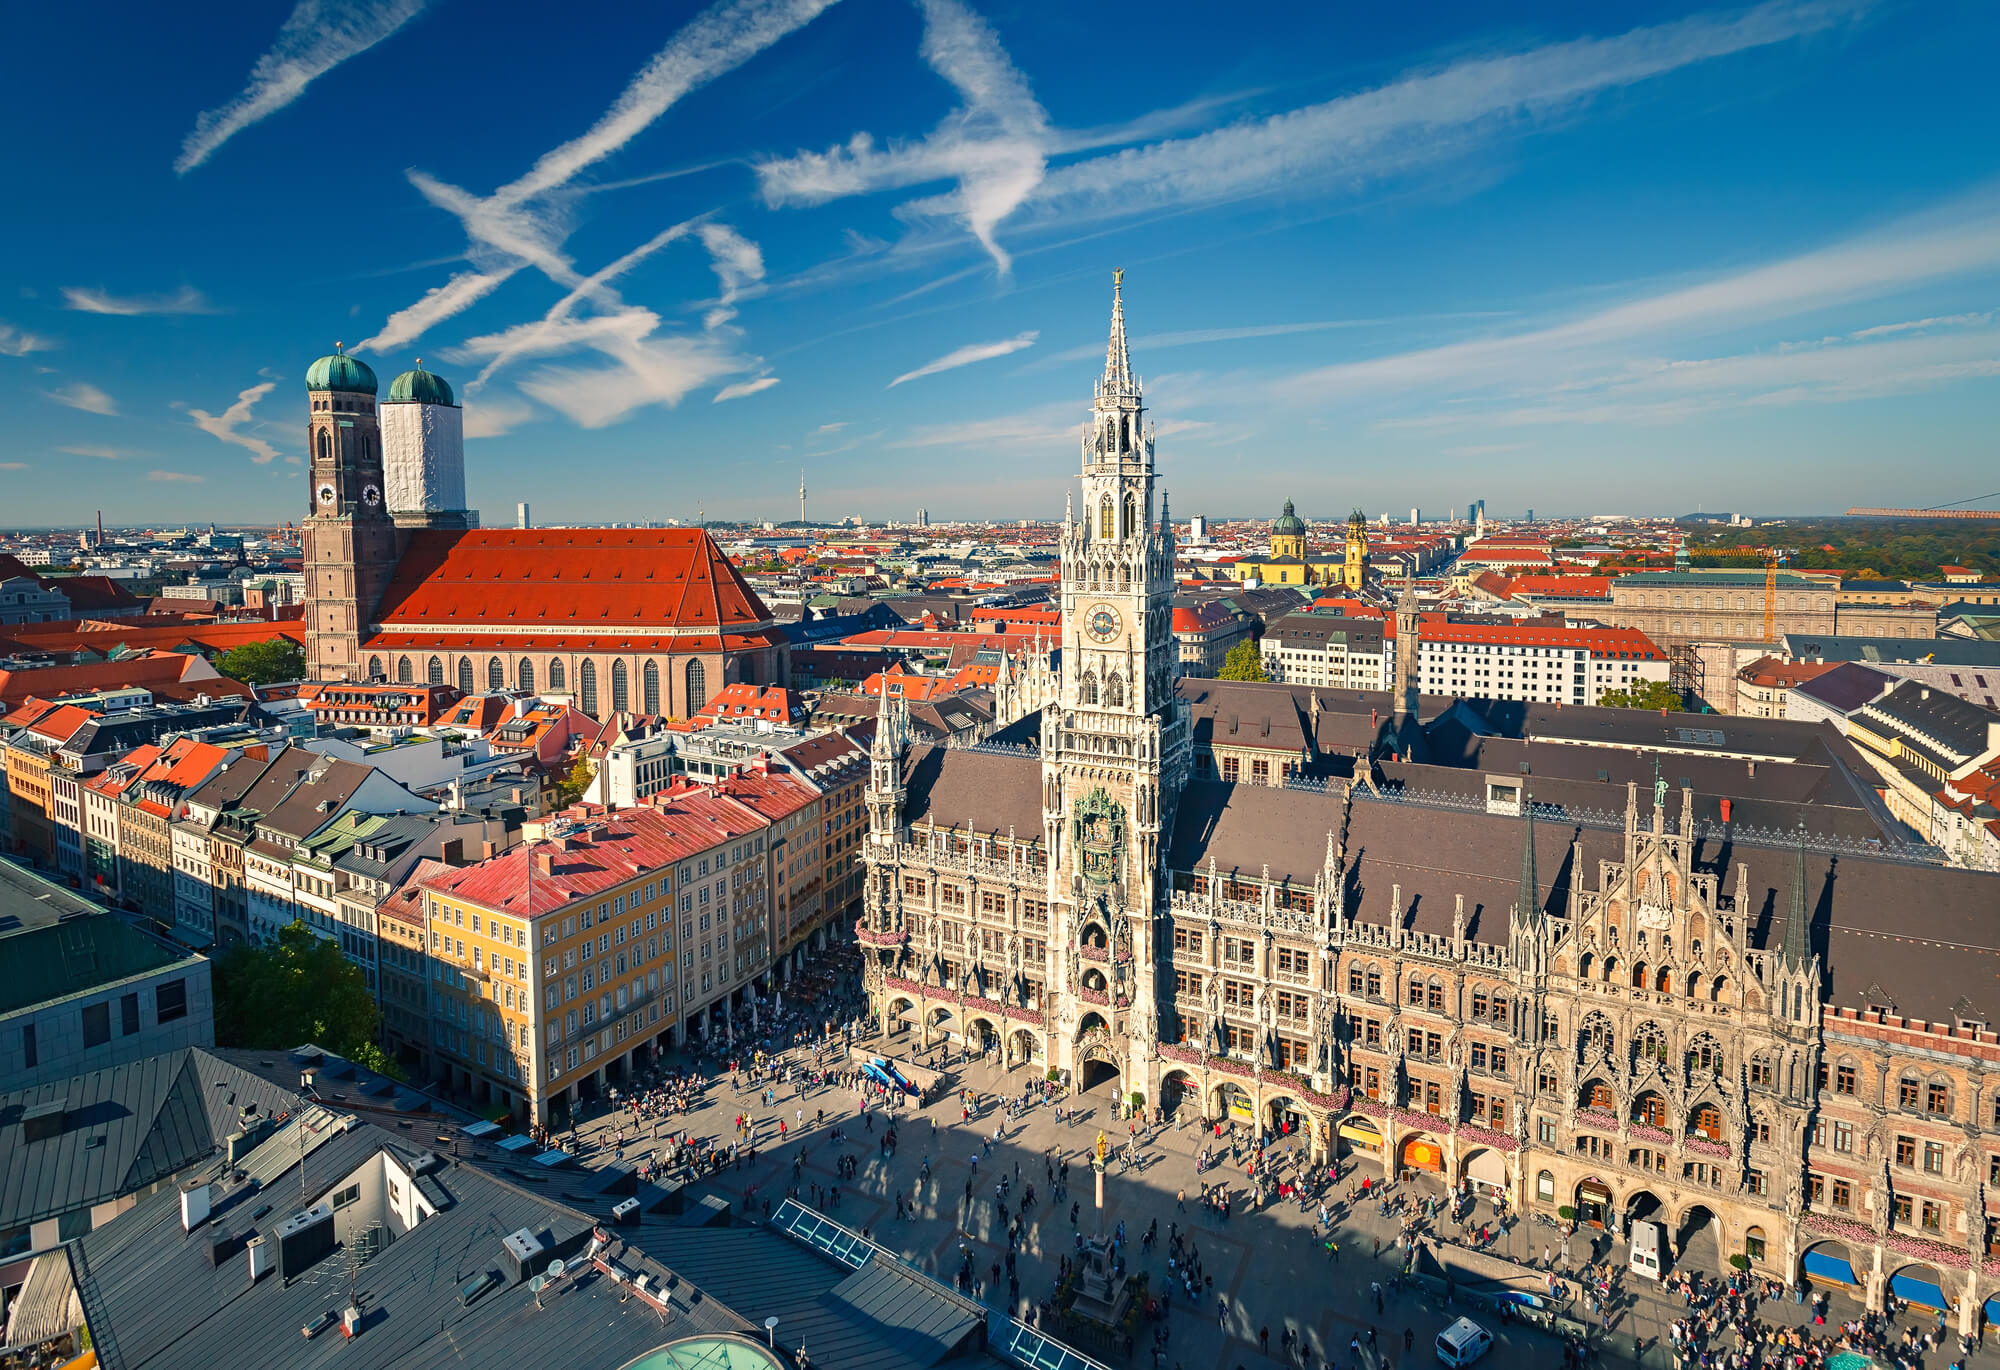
1649	1241
1464	1342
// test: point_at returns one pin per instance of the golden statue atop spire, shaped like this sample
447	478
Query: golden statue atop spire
1117	278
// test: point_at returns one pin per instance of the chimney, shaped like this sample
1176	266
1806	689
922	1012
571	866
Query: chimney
194	1204
488	849
545	862
453	853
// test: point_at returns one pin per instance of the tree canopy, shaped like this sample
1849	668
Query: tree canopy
1644	694
264	663
570	788
1244	662
299	989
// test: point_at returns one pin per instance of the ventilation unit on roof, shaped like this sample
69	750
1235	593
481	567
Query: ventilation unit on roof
304	1239
523	1255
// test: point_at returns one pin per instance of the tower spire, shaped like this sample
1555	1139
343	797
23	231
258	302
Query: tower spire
1795	952
1117	361
1528	904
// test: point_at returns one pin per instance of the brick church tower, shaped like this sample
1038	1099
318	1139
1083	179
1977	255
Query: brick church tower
350	541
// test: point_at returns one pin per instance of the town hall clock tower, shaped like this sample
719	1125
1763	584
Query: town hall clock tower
1116	743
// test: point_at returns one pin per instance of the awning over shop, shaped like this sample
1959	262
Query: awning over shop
1361	1135
1824	1265
1487	1167
1424	1155
1917	1290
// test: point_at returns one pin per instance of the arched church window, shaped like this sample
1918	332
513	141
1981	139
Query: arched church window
374	667
1107	521
524	675
325	445
1114	690
621	692
404	675
555	673
434	672
1086	689
649	687
586	680
1131	515
465	675
697	688
496	674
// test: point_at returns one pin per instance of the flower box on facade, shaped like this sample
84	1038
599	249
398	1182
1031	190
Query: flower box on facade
1846	1229
1486	1136
906	986
1374	1108
1091	953
1176	1051
1014	1014
1597	1118
1702	1146
1646	1132
1094	996
1925	1249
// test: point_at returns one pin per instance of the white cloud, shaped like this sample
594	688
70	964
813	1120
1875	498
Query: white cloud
1033	429
13	466
455	296
15	342
317	37
744	388
226	424
832	427
995	146
495	416
966	356
524	222
95	300
178	477
84	396
1962	239
101	453
737	262
643	368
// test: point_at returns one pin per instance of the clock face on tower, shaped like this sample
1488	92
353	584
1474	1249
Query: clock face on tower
326	494
1103	623
370	496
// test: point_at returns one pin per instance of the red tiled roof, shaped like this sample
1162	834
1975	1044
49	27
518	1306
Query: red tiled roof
1212	613
741	700
613	849
117	779
497	639
1576	587
592	581
132	633
60	724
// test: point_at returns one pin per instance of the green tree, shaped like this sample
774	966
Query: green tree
299	989
264	663
570	788
1645	694
1244	662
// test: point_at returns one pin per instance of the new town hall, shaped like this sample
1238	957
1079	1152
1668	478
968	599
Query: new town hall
1606	963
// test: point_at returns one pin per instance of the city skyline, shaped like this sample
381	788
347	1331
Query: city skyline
1556	263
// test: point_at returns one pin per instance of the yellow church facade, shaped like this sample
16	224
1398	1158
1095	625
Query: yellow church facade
1292	561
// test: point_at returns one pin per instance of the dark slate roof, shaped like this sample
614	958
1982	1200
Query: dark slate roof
153	1298
122	1128
1961	729
1923	936
1311	632
1938	651
1846	687
40	963
29	901
982	791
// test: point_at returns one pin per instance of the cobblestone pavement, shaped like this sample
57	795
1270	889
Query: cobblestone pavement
1269	1265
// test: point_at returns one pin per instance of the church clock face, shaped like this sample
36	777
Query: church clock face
326	494
1103	623
370	496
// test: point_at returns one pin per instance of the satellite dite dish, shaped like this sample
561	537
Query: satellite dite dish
537	1283
555	1270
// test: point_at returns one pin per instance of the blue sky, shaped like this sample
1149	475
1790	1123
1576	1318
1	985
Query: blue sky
1577	258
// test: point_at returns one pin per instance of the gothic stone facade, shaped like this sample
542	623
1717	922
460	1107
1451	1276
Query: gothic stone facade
1789	1052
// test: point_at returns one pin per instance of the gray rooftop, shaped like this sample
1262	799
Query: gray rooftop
1929	651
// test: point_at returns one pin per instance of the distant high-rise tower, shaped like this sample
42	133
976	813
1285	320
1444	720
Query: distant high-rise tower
350	544
802	495
923	518
521	515
1416	516
1531	516
423	453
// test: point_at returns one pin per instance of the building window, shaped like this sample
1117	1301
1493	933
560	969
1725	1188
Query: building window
621	687
434	671
465	675
697	687
96	1025
649	687
525	675
31	1057
586	679
556	676
496	674
128	1014
404	675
